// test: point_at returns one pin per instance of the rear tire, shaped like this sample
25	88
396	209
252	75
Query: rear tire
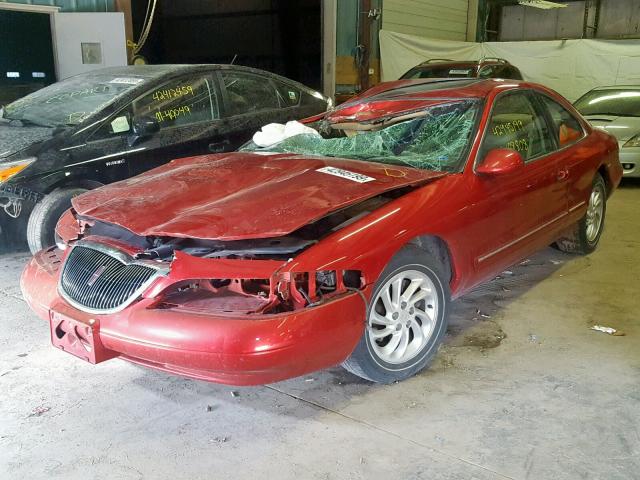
585	235
45	216
406	319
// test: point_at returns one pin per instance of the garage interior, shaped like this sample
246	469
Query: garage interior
280	36
522	387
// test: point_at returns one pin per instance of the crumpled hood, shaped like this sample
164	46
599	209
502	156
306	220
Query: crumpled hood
623	128
241	195
15	139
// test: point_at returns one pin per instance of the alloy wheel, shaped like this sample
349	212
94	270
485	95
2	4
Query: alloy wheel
403	316
595	213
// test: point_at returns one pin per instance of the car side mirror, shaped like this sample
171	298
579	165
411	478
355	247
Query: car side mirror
143	127
500	161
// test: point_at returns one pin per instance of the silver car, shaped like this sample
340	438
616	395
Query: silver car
616	109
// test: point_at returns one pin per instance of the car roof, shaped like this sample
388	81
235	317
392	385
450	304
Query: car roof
618	87
447	63
441	62
436	88
149	72
392	98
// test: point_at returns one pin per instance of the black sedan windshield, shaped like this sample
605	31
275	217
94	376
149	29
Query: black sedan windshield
622	103
70	101
437	139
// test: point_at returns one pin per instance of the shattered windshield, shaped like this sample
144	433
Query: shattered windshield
70	101
437	139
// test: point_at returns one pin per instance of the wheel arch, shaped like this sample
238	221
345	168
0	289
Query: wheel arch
606	176
77	183
439	249
81	179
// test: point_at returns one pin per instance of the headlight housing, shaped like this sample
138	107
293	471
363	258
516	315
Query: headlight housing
9	169
632	142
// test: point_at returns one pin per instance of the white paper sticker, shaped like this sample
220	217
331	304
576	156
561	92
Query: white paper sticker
127	80
353	176
459	72
120	124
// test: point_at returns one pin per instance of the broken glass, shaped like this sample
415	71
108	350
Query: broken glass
70	101
437	139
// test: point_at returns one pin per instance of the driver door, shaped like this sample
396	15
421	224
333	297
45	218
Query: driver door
524	207
185	114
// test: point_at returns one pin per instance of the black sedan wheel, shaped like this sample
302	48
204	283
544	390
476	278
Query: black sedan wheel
45	216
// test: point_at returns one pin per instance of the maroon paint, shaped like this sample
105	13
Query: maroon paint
500	161
204	197
488	222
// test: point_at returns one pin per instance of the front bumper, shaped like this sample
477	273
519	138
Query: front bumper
630	160
19	193
235	349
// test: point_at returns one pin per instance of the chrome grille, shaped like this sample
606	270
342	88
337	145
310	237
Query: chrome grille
97	281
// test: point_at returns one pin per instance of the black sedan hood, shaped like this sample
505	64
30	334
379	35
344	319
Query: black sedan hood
14	139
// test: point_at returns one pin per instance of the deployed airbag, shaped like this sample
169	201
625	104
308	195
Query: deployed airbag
277	132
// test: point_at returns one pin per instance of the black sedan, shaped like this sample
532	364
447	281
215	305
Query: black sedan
111	124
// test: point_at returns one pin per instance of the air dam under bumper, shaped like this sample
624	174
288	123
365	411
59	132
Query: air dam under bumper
235	349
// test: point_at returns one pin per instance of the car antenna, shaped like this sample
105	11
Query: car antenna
234	59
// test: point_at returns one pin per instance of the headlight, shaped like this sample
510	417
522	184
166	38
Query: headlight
9	169
632	142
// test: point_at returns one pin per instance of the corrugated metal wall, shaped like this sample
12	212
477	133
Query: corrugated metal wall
605	19
441	19
72	5
526	23
619	19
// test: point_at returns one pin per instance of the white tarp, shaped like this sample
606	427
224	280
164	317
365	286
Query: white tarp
571	67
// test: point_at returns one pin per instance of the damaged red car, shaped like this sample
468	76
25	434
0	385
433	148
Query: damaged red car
343	244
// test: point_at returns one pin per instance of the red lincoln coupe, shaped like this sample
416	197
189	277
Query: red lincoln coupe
341	245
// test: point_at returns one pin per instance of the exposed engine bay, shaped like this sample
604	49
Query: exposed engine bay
250	295
278	248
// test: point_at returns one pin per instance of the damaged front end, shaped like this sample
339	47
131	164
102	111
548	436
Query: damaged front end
264	289
183	305
214	277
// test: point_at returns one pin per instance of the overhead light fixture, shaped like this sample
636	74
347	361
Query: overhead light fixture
543	4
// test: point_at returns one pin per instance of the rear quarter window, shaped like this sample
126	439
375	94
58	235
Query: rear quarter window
288	95
567	127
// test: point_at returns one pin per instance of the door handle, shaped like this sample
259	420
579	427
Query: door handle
217	147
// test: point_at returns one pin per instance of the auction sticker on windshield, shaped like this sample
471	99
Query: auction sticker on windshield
128	81
459	72
353	176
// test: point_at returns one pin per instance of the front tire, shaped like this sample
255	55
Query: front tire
585	235
406	319
45	216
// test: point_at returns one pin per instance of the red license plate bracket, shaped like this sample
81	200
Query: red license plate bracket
78	338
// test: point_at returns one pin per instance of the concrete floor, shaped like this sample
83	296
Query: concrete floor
522	389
